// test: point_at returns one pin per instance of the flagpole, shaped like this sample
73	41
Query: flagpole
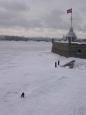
71	20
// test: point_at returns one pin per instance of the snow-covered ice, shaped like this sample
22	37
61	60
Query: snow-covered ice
30	67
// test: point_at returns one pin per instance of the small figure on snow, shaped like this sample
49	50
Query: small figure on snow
22	95
55	64
58	62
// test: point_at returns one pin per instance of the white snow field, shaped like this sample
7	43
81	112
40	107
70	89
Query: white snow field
30	67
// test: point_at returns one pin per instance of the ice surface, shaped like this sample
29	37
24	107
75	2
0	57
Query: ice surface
30	67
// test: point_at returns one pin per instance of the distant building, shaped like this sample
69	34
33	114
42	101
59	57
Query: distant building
71	36
70	46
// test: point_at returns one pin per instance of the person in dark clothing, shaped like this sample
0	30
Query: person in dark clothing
55	64
22	95
58	62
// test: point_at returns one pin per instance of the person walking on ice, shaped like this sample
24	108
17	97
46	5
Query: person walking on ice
58	62
55	64
22	95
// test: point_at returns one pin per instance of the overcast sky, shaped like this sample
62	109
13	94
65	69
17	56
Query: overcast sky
42	17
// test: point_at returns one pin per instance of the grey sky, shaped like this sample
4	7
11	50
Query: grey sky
43	15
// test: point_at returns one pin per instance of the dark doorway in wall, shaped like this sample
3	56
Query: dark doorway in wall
79	51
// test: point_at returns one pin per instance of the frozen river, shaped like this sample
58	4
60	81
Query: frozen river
29	67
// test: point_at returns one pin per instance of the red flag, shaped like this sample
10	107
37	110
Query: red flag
69	11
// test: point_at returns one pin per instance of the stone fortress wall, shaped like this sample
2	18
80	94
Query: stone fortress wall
69	49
